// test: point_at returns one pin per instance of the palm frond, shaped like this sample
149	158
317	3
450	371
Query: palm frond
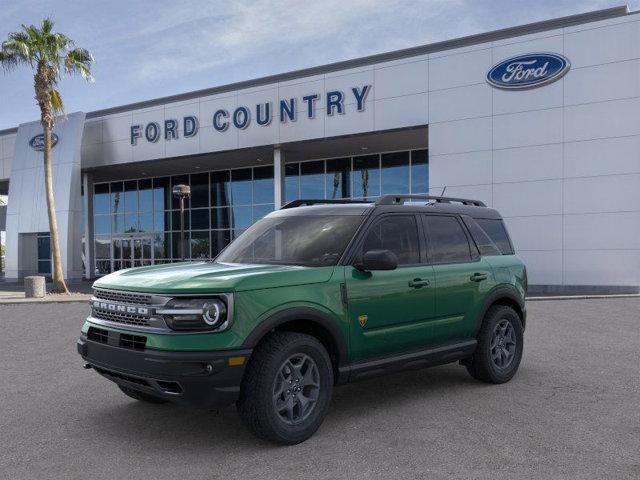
56	101
79	60
47	25
8	60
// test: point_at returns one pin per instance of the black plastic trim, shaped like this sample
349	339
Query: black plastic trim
204	377
300	314
407	361
497	295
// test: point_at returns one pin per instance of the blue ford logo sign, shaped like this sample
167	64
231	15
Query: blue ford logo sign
528	71
37	142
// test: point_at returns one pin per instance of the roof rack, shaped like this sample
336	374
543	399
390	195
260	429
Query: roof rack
308	202
400	200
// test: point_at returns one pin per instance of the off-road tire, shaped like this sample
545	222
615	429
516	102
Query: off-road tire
481	365
141	396
257	403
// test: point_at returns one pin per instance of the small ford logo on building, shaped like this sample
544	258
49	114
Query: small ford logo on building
37	142
528	71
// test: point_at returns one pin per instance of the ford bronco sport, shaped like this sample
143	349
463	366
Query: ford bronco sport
316	294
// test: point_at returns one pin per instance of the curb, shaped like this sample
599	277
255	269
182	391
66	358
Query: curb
582	297
18	301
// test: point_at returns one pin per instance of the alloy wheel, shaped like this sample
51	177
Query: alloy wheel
296	389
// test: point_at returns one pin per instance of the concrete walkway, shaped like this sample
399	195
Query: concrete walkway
12	293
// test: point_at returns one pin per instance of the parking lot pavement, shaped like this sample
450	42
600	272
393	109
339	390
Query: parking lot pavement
571	412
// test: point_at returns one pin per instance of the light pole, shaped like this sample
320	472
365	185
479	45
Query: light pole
181	192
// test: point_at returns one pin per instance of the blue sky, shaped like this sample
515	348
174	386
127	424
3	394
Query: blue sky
145	50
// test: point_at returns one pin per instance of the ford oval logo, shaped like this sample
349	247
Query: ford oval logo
528	71
37	142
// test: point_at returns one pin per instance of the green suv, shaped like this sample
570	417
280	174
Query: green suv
317	294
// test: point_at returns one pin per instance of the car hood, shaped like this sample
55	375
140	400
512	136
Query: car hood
210	277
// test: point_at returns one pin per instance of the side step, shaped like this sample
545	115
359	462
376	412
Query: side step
407	361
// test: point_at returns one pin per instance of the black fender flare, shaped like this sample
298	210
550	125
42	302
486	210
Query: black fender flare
300	314
497	295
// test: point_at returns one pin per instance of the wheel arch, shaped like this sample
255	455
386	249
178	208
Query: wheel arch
309	321
507	297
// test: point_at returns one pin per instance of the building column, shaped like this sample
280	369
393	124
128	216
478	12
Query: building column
89	260
278	177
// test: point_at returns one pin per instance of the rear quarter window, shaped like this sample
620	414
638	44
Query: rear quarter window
497	232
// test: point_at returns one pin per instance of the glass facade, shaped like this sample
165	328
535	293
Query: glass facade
363	177
137	222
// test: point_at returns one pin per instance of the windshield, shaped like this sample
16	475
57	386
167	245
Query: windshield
313	240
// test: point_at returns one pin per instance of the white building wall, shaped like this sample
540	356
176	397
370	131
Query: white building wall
561	162
7	150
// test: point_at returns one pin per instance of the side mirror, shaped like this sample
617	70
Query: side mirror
377	260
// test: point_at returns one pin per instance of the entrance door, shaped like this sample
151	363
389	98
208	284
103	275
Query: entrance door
130	251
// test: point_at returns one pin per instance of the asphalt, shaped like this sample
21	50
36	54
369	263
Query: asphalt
570	413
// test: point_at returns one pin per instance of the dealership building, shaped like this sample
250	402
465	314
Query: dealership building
541	121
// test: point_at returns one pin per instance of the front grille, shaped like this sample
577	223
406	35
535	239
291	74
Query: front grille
134	342
123	297
98	335
121	317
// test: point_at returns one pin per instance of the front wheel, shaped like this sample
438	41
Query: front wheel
500	345
286	390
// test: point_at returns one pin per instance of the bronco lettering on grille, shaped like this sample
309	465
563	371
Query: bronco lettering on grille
117	308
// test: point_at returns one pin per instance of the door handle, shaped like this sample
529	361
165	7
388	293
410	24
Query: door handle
418	282
478	277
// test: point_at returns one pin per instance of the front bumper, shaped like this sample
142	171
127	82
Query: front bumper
199	379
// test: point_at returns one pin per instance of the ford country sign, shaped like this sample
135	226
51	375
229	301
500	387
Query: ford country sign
37	142
528	71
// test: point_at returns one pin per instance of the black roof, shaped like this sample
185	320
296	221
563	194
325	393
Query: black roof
390	203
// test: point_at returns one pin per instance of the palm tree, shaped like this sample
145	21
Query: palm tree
47	53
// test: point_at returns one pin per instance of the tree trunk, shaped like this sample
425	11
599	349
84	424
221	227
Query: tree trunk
59	284
42	84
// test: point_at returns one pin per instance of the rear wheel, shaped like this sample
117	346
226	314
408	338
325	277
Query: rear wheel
500	345
141	396
286	390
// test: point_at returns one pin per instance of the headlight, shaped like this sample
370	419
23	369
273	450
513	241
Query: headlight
195	314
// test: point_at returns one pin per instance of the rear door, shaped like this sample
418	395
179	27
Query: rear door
389	310
462	276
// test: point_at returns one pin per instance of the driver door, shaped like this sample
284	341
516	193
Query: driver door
389	311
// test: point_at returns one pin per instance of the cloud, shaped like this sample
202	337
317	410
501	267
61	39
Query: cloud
149	49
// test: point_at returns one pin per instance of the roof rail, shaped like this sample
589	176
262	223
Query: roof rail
400	200
308	202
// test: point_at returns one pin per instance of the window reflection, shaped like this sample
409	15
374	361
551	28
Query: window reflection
338	179
312	179
200	190
420	171
220	189
366	177
225	203
395	172
263	185
241	186
291	182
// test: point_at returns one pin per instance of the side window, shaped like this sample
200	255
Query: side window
398	234
496	230
447	240
486	246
